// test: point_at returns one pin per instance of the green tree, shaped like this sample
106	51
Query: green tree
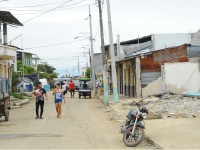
88	72
27	69
15	80
47	71
19	66
45	68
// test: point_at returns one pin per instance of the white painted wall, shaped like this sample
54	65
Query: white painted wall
162	41
181	77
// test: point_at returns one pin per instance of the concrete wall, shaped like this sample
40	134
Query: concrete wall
162	41
181	77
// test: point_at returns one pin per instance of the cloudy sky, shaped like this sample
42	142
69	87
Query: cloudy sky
130	19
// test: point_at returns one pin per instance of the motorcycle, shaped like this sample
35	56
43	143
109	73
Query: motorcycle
133	130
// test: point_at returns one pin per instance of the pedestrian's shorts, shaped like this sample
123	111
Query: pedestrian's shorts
58	100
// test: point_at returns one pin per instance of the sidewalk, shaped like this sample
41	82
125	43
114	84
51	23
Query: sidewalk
165	133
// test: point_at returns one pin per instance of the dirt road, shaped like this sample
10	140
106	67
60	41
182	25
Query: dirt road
84	125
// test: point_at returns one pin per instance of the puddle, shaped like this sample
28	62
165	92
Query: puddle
14	136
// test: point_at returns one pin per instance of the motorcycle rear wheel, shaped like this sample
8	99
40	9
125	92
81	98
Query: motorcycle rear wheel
136	139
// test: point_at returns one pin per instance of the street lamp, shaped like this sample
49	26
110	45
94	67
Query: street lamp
77	37
3	0
21	48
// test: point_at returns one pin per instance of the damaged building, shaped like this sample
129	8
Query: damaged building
158	63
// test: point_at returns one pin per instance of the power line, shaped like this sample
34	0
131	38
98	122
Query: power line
48	11
57	9
36	5
55	44
63	56
42	10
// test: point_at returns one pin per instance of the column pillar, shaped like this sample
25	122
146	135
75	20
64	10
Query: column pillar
5	34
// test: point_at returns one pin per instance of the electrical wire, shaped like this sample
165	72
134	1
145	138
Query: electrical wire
76	54
43	10
36	5
58	9
47	11
55	44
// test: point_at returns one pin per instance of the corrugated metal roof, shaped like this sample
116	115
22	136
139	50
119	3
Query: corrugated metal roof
7	17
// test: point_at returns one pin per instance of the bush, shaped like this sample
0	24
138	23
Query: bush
16	95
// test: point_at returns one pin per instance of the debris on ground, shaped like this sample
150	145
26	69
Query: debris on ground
176	106
161	106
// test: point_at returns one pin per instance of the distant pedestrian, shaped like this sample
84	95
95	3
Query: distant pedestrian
64	88
59	97
39	93
72	88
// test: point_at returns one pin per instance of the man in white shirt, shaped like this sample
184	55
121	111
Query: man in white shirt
64	88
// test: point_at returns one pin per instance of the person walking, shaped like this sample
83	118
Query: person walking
64	88
39	93
72	88
59	96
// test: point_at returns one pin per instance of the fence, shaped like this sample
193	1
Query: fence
4	84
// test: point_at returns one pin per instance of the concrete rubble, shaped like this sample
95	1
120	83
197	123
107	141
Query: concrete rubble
162	107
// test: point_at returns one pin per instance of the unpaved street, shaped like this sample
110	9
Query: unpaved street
84	125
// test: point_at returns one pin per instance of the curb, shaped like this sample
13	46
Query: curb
149	140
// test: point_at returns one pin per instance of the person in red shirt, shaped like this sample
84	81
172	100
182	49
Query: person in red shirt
72	88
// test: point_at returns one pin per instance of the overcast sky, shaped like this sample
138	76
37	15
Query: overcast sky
130	19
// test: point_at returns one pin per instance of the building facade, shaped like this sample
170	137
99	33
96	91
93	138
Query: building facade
141	63
8	54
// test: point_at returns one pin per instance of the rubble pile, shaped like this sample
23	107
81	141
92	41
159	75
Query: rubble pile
172	106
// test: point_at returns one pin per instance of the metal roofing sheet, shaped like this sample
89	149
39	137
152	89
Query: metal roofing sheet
7	17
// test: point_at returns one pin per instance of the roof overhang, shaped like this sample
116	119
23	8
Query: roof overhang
7	17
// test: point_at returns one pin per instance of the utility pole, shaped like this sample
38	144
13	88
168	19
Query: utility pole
66	71
118	69
112	53
104	61
22	58
92	53
118	45
78	67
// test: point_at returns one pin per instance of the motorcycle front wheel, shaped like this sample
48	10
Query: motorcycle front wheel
135	139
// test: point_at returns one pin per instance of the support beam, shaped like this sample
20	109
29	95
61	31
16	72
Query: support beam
5	41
